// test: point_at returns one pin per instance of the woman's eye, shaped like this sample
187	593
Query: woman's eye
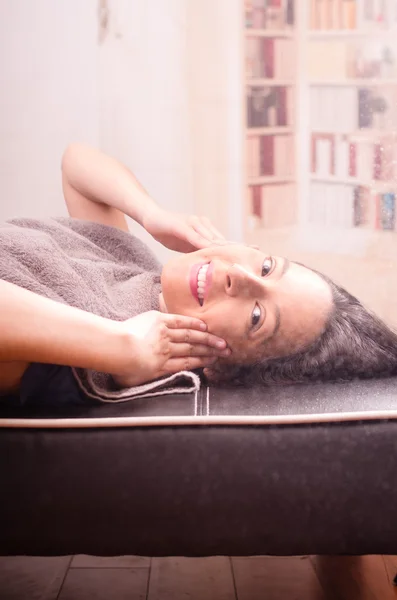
267	266
256	315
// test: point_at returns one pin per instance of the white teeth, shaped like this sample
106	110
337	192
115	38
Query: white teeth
201	277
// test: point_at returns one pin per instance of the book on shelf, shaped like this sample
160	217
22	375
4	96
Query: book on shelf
332	156
389	159
348	108
274	206
328	209
270	58
366	15
343	157
374	210
387	216
365	114
333	14
323	151
333	109
377	161
269	106
377	107
365	208
364	160
269	14
351	206
270	155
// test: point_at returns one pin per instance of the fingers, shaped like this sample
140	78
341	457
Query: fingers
199	232
195	239
212	228
202	228
190	336
188	350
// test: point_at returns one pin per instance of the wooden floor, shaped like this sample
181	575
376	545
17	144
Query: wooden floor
216	578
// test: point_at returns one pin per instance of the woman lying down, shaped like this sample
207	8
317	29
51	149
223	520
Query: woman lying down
87	313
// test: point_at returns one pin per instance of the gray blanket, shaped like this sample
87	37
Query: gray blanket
96	268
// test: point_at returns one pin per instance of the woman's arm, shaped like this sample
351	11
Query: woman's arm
36	329
99	188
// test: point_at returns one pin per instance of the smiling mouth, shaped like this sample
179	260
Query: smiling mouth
200	281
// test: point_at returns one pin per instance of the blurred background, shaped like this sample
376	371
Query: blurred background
275	118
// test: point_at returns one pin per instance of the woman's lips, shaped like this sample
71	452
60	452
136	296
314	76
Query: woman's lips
194	271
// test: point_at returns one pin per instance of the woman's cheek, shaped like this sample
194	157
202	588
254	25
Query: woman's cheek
217	325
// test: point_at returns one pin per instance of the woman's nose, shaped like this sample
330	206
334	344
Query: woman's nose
241	281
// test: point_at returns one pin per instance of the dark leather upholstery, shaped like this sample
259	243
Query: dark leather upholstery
195	490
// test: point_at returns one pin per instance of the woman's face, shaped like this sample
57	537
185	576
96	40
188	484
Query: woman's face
262	306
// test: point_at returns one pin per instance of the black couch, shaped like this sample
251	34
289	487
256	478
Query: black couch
287	470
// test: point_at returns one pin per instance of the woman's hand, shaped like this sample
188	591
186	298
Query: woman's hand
183	233
158	344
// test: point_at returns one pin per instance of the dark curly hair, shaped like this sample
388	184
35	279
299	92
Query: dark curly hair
355	343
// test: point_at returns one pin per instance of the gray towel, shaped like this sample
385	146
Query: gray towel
96	268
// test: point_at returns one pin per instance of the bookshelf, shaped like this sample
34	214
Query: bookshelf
270	100
351	72
321	123
267	82
268	33
347	33
353	82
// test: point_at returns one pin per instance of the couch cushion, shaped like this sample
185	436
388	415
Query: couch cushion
282	470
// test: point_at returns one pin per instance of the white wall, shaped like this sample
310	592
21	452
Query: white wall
144	116
48	84
216	85
162	93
